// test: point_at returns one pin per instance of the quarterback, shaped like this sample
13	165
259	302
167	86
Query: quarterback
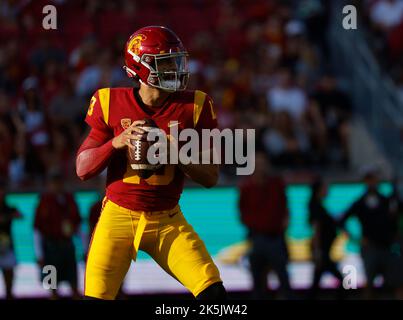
143	213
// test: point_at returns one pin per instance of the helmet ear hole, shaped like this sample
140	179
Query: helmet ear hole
130	73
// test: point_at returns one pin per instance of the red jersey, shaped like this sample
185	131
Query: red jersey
57	216
264	207
114	109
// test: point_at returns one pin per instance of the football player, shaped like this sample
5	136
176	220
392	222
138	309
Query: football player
143	214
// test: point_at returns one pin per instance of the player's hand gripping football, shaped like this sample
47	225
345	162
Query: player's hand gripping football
132	132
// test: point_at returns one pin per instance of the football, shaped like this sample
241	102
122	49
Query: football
137	157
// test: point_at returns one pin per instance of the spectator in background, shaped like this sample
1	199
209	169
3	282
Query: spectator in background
6	148
6	114
387	14
315	14
263	207
324	234
66	108
33	116
286	96
57	220
65	111
101	74
316	131
16	168
7	131
7	255
251	56
44	52
51	79
335	108
396	210
12	64
400	85
12	142
300	56
60	152
287	144
84	54
378	230
385	23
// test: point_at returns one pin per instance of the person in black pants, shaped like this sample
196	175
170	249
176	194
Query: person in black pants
379	231
396	266
7	255
325	232
264	211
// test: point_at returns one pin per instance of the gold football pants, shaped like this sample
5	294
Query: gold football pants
165	235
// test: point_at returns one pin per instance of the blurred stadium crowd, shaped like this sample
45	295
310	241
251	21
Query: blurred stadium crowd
384	19
263	62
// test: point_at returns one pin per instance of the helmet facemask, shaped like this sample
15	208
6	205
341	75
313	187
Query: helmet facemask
168	72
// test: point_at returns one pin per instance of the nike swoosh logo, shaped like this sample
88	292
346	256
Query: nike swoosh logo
174	124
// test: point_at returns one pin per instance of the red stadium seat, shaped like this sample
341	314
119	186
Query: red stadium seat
187	21
149	16
112	23
76	25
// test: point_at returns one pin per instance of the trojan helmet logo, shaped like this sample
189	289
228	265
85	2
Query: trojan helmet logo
135	44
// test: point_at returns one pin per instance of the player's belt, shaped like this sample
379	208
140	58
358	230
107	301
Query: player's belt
169	212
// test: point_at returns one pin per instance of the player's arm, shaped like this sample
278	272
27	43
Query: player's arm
204	118
94	154
96	150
